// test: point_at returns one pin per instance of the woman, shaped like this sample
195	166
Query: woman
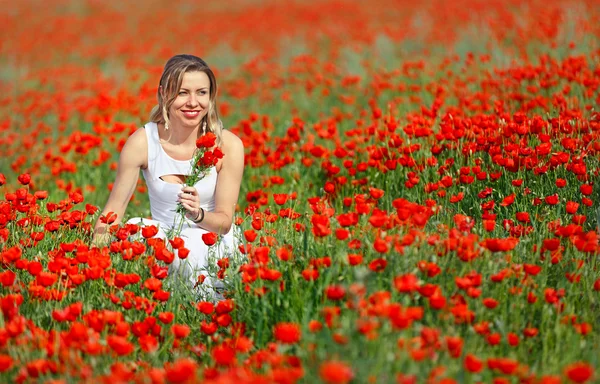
163	148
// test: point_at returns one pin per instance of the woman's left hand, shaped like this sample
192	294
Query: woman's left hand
189	199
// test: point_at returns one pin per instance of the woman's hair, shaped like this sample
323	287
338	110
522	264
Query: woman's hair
171	80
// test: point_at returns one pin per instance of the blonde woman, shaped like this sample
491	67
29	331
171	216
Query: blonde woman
162	150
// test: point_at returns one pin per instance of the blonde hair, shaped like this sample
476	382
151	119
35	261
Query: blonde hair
170	82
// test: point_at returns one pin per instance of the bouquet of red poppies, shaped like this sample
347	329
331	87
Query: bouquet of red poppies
205	157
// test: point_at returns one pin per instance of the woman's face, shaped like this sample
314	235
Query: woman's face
191	103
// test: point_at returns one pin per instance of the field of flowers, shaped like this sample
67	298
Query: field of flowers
419	201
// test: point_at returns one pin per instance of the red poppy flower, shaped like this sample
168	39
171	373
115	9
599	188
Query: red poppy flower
335	292
336	372
6	362
166	317
378	265
109	218
24	178
473	364
287	333
508	200
579	372
180	331
149	231
406	283
223	355
208	328
205	307
586	189
210	238
181	371
120	345
225	306
552	199
183	253
280	198
208	140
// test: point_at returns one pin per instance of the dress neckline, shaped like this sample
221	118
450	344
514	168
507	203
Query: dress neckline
163	150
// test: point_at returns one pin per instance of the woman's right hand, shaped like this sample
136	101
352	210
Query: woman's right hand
190	200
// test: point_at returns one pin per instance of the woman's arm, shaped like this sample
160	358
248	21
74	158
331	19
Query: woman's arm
227	189
133	157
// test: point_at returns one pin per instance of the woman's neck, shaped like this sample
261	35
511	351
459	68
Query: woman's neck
176	135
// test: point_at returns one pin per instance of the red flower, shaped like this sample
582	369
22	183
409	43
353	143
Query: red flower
180	331
24	178
473	364
380	245
176	242
335	292
336	372
6	362
148	343
287	333
166	317
500	245
376	193
181	371
552	199
378	265
109	218
572	207
183	253
320	225
41	195
406	283
225	306
508	200
208	328
532	269
205	307
586	189
355	259
579	372
310	274
149	231
223	355
523	217
210	238
513	339
208	140
490	303
280	198
119	345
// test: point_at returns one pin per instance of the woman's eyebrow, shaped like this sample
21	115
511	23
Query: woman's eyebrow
185	89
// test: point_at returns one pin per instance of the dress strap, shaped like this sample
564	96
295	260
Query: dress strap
152	136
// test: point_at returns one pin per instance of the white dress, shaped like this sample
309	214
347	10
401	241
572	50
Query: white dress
163	202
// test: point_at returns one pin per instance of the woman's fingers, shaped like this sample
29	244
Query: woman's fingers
191	210
189	190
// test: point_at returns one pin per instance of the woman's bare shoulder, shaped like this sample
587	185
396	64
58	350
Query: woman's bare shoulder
231	141
136	148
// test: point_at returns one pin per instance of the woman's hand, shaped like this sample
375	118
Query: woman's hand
189	199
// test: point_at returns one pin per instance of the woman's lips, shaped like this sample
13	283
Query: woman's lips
191	114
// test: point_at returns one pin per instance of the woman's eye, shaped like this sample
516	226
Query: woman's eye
181	93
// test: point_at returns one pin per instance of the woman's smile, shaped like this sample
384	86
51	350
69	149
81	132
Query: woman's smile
191	114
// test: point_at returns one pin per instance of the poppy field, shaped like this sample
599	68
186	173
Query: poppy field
419	201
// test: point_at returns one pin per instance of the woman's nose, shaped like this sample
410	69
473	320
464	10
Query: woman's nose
192	100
